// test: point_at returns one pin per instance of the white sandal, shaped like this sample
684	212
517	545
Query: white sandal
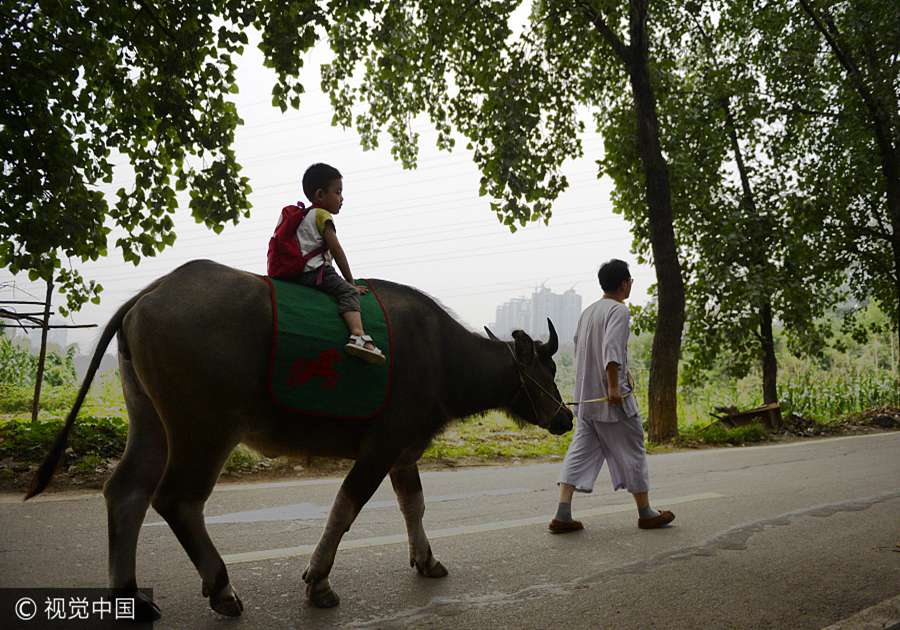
357	348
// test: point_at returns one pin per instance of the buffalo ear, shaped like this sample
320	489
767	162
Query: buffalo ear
490	334
525	347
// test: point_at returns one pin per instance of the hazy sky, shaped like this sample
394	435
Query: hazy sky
427	228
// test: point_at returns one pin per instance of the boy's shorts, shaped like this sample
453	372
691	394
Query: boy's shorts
334	285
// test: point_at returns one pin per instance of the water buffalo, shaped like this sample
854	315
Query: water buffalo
193	355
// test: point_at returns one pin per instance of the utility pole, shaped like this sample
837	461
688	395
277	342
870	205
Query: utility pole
40	371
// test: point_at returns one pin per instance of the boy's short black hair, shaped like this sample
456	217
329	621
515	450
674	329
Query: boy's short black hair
318	176
612	274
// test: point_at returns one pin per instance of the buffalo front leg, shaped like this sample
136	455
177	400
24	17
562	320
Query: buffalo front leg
358	487
408	487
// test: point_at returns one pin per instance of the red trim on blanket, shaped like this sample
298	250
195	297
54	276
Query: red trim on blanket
274	337
390	332
319	414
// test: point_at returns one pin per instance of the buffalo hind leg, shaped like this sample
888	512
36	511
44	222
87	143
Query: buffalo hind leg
408	487
190	475
129	489
358	487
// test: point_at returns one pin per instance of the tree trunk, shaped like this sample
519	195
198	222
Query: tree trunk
769	362
759	262
662	389
890	166
889	156
39	377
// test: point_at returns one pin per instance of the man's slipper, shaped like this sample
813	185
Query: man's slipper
564	527
661	520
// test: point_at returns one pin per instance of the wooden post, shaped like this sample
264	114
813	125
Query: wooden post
38	379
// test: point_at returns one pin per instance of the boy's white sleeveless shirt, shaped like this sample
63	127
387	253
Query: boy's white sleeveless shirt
310	232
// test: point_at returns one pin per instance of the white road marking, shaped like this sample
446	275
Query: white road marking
314	512
377	541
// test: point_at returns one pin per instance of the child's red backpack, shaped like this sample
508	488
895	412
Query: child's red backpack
285	258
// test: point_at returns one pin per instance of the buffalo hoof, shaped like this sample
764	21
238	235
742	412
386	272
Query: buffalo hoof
433	569
226	602
320	594
145	609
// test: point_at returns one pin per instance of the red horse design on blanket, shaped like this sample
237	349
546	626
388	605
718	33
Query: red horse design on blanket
302	370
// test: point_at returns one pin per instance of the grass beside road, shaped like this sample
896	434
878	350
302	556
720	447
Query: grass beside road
494	436
816	401
97	442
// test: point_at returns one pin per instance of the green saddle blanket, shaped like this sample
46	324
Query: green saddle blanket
309	371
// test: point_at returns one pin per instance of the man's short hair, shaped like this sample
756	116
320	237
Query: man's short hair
318	176
612	274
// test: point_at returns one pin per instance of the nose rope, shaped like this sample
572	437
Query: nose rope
559	403
522	376
594	400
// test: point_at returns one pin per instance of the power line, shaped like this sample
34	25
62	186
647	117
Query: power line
362	224
437	161
574	179
361	250
484	253
446	292
132	276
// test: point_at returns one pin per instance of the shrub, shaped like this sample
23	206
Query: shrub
242	459
93	441
718	433
60	369
88	465
30	441
17	365
17	398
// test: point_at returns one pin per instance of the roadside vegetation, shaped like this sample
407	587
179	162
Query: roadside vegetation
848	387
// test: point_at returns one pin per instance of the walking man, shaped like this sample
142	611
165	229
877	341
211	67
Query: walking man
607	430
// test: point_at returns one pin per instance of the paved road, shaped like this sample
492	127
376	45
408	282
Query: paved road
799	535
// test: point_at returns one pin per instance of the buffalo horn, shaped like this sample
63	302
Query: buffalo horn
552	343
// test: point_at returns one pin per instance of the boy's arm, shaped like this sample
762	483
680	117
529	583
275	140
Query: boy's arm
340	258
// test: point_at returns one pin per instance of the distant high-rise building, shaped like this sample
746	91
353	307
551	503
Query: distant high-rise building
515	314
568	315
530	315
543	305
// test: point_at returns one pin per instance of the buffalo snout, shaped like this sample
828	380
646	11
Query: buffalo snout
561	422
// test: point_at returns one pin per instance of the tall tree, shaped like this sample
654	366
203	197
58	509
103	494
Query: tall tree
515	94
89	81
734	202
635	56
745	112
835	68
